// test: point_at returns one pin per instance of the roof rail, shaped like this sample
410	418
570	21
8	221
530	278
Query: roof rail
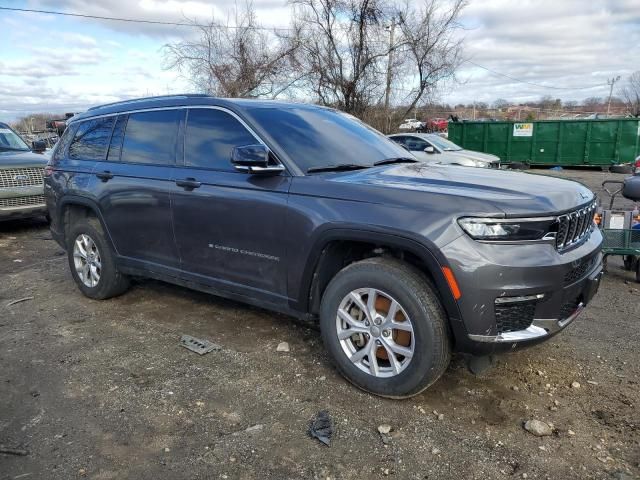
159	97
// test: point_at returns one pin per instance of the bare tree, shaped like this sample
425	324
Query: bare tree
431	45
341	52
631	93
236	59
501	103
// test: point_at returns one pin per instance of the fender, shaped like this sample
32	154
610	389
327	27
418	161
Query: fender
422	248
91	204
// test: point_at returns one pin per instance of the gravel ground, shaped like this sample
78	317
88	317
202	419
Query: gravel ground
103	390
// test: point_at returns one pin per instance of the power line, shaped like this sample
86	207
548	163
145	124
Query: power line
531	83
133	20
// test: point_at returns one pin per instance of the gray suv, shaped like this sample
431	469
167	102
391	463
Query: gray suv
307	211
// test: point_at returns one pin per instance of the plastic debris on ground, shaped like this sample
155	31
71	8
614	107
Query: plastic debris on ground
197	345
321	427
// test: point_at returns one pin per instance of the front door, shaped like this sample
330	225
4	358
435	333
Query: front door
229	225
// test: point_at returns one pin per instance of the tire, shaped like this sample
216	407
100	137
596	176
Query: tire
520	166
638	271
108	282
419	305
629	263
625	168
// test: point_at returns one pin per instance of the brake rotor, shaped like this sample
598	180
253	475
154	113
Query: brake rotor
401	337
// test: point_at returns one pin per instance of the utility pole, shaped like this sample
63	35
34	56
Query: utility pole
611	82
389	65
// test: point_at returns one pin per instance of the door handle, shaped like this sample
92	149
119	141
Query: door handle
105	176
188	183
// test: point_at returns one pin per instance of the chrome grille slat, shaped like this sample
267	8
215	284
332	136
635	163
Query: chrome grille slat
574	226
26	201
35	176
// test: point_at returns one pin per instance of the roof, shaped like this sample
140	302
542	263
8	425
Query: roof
184	100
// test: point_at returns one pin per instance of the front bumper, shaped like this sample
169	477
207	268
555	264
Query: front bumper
546	291
22	202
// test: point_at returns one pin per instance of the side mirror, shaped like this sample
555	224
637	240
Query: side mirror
254	159
430	149
38	146
631	188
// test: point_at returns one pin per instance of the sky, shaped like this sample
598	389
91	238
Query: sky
62	64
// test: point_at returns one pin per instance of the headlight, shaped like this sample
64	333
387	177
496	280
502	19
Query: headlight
498	229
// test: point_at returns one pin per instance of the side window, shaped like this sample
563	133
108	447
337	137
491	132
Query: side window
415	144
64	141
210	138
91	139
150	137
400	140
116	139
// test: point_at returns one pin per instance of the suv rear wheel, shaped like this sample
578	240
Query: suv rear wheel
91	261
384	328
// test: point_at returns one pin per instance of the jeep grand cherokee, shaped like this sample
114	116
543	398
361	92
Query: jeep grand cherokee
307	211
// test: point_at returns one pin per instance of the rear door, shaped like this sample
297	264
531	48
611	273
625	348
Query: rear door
134	187
229	225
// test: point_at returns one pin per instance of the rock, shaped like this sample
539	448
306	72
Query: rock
384	429
254	428
82	472
571	432
591	382
575	385
385	471
435	451
282	347
538	428
441	416
515	388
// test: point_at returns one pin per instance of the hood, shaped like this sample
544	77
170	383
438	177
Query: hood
10	159
470	154
513	193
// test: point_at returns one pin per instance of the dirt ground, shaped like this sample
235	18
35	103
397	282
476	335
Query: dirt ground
103	390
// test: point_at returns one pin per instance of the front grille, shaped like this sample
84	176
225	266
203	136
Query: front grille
28	201
21	177
574	226
580	271
511	317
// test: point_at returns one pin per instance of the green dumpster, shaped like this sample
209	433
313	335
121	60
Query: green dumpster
553	142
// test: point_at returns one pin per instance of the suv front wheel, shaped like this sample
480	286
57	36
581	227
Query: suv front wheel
385	328
91	261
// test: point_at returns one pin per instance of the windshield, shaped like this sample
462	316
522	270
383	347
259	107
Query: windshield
320	137
9	140
444	144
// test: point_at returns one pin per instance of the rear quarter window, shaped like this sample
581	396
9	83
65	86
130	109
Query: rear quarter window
91	139
65	140
151	137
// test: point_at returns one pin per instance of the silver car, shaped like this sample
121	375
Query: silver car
432	148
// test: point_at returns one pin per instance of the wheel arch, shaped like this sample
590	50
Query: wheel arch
71	205
335	248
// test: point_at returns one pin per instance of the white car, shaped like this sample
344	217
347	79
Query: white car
412	124
432	148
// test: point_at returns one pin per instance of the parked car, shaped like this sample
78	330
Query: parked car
437	125
21	176
412	125
306	211
433	148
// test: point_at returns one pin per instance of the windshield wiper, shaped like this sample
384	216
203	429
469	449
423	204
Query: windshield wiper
337	168
389	161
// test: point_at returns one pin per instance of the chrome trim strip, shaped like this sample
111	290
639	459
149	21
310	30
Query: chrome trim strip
521	298
540	328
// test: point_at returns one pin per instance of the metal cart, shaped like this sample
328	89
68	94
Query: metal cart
617	226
